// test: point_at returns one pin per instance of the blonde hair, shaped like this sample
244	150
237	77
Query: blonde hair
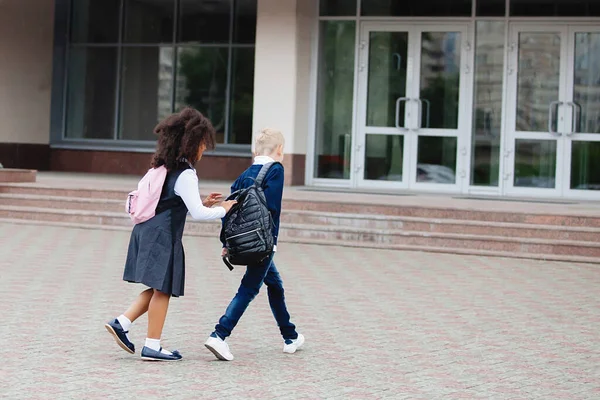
268	140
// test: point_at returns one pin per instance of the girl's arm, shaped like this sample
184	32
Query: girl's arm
186	187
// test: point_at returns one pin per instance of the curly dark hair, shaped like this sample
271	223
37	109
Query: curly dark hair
180	136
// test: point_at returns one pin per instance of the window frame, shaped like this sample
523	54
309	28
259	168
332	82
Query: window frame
60	76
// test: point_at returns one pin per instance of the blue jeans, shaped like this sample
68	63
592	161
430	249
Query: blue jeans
251	283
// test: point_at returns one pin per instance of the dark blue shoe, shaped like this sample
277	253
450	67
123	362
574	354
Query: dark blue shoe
115	329
152	355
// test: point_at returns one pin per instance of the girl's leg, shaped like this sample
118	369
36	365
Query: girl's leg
157	312
139	306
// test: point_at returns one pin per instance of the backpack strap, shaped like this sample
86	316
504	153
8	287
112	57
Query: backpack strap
263	173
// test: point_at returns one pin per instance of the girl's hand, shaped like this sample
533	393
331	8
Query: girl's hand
228	204
223	252
212	199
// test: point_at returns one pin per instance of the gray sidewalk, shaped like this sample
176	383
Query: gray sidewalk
379	324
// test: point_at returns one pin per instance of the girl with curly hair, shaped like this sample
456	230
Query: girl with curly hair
155	257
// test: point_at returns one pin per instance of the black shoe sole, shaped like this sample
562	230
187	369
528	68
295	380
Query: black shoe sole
116	337
152	359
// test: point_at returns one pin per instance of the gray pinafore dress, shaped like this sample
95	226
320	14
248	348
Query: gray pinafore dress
155	256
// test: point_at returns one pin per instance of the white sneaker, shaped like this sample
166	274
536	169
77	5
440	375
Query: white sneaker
219	348
291	348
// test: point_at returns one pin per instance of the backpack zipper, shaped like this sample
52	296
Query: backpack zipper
242	234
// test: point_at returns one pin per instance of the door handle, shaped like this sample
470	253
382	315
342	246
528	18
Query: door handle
575	117
551	118
420	113
398	102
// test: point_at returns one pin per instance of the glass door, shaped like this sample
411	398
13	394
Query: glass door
582	108
553	140
412	106
535	115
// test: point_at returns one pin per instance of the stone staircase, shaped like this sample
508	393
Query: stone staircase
547	236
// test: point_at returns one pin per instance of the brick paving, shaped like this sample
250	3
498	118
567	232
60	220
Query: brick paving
379	325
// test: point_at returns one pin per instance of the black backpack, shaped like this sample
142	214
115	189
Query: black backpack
248	227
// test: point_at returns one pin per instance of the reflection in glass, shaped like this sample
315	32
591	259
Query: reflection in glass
585	165
91	86
490	8
538	79
149	21
337	8
146	87
554	8
387	77
384	155
242	94
335	97
204	21
535	163
436	159
586	90
429	8
202	83
95	21
244	21
440	79
487	105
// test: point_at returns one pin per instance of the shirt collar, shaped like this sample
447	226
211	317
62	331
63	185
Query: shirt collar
262	160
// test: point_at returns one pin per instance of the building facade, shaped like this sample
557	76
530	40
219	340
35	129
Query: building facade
472	97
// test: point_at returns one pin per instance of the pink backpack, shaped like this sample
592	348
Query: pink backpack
141	203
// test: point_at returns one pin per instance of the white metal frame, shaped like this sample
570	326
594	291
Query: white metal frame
563	114
506	165
572	134
511	135
413	129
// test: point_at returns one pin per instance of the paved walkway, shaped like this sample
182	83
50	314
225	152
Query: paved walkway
379	324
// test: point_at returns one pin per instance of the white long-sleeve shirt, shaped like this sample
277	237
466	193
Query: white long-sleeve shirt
186	187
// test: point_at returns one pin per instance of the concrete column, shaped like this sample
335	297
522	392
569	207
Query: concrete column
282	74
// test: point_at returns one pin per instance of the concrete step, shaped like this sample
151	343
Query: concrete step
62	202
118	196
446	240
43	190
341	243
438	225
418	224
312	232
427	220
445	213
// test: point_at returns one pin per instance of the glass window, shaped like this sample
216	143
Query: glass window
554	8
384	157
204	21
202	83
335	97
95	21
585	165
586	90
337	8
487	103
244	22
423	8
436	159
91	87
535	163
388	55
172	53
242	91
146	87
490	8
440	79
538	79
149	21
